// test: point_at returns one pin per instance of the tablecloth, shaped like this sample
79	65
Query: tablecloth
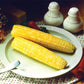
12	78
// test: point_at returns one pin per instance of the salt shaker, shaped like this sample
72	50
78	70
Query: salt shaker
72	22
53	16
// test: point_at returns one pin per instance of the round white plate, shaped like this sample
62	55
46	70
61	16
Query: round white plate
34	69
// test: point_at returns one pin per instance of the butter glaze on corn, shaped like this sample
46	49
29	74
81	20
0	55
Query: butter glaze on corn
42	38
38	52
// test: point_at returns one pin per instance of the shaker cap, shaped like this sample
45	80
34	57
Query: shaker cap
54	5
74	12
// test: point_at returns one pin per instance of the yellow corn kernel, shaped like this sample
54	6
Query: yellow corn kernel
45	39
38	52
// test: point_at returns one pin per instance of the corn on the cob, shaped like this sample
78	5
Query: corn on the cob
38	52
42	38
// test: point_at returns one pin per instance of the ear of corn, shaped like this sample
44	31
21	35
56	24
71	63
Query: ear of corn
42	38
38	52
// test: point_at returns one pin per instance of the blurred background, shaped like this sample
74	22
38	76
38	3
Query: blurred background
37	8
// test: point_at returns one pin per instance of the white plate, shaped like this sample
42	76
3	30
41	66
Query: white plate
32	68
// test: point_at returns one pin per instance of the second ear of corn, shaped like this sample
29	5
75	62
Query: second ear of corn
39	53
42	38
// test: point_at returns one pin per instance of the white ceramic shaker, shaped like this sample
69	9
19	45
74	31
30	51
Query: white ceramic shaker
72	22
53	16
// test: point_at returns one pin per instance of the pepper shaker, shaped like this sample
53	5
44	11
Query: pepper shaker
53	16
72	22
